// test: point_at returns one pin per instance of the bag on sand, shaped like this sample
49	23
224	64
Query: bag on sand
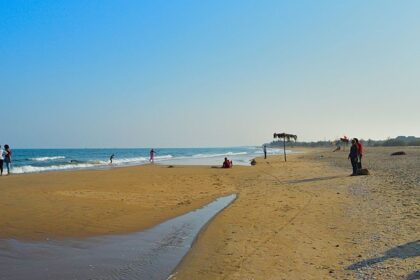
363	171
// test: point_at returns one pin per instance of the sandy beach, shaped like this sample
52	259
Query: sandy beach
307	219
96	202
304	219
130	130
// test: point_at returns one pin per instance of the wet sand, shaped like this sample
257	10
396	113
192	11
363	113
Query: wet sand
150	254
304	219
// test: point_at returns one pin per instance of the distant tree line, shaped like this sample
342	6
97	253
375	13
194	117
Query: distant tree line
279	143
398	141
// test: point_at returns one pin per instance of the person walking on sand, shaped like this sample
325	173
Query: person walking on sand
8	158
152	156
353	157
111	158
359	153
1	160
265	151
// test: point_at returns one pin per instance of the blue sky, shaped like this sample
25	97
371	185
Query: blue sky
206	73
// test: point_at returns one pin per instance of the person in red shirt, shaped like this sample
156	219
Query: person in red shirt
359	153
227	163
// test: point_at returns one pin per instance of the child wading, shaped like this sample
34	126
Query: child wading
152	156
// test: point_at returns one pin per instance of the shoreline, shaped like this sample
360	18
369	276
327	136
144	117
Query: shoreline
304	219
49	160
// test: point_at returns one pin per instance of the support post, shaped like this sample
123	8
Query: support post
284	148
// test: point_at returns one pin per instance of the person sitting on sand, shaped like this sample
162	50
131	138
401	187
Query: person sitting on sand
353	156
227	163
111	158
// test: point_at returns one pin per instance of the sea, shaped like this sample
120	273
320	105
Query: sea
47	160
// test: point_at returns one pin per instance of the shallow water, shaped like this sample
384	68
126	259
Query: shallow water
46	160
149	254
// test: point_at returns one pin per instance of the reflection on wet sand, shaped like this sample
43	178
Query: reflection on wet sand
150	254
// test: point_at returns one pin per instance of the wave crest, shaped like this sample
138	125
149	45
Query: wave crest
219	155
47	158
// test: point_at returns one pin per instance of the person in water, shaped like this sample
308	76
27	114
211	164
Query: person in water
111	158
1	160
353	157
265	151
152	156
8	158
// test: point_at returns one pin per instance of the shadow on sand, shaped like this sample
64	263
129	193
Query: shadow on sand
408	250
314	179
413	276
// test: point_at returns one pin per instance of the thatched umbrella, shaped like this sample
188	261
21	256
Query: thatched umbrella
285	136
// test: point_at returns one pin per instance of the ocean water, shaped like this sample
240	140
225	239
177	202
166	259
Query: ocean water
44	160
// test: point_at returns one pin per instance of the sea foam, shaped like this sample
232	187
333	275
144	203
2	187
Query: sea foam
44	160
47	158
33	169
219	155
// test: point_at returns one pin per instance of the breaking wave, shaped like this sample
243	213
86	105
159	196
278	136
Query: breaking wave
76	164
47	158
77	159
219	155
33	169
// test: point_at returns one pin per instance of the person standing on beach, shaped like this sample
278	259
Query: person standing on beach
1	160
265	151
360	153
8	158
152	156
353	156
111	158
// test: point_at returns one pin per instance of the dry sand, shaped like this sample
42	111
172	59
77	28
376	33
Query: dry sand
93	202
307	219
304	219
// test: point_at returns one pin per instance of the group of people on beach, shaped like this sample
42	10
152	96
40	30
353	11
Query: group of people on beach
355	155
226	163
5	158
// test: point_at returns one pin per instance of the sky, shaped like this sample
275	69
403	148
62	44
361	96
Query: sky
169	73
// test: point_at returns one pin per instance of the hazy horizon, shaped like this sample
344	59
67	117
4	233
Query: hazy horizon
206	74
188	147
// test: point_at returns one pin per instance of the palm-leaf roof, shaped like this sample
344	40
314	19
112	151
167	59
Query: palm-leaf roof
285	136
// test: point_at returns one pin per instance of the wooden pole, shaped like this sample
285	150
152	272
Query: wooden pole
284	148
